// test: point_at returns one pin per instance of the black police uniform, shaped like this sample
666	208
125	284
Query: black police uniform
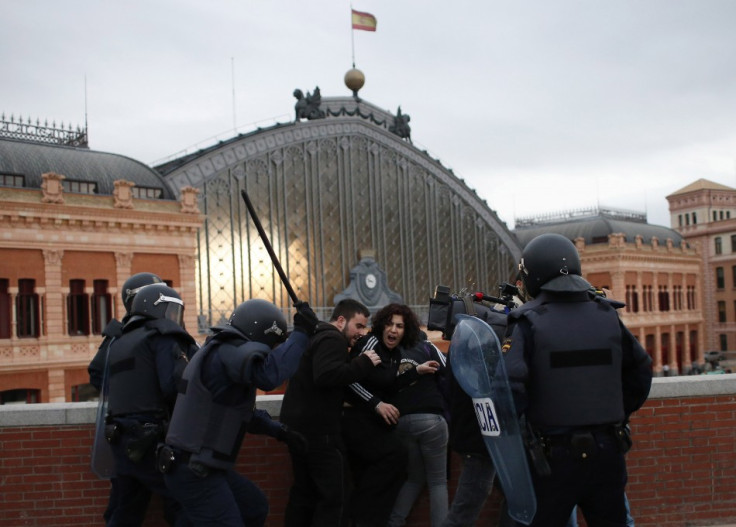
145	364
212	414
577	374
136	501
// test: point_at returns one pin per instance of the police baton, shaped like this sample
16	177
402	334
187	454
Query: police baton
267	244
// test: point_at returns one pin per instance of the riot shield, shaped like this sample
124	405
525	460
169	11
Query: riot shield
103	461
477	363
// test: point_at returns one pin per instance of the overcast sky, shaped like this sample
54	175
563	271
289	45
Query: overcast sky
540	106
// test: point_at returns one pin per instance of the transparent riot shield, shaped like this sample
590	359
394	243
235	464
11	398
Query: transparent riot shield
477	363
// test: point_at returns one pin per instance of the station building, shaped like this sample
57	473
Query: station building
649	267
704	213
74	225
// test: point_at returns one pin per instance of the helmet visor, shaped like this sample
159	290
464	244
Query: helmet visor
174	308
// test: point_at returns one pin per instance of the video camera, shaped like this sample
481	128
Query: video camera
444	307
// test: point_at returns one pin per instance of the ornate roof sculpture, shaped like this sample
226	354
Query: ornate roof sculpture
343	177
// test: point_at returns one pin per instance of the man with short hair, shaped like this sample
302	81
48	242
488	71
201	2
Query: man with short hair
312	406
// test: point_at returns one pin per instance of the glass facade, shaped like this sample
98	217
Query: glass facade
324	200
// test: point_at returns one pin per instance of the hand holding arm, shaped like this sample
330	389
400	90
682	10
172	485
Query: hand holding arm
388	412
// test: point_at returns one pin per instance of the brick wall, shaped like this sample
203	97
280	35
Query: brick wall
682	469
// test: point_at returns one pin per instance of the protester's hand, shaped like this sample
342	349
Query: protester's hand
430	366
293	439
304	319
388	412
373	356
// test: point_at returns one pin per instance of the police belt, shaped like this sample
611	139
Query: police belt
560	436
582	441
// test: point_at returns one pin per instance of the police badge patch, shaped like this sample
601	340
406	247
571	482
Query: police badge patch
506	345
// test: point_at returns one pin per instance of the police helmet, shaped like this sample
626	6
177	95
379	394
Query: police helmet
550	262
159	301
134	284
260	321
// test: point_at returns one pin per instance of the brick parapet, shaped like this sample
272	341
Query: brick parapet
682	469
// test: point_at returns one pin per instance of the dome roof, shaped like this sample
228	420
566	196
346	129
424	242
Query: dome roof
31	160
596	226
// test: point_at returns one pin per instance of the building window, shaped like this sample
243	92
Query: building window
26	309
720	214
21	396
663	298
77	304
720	280
101	306
84	392
733	243
647	299
718	245
146	192
679	220
11	180
677	297
79	187
632	299
687	219
695	218
690	297
715	215
721	311
5	314
724	341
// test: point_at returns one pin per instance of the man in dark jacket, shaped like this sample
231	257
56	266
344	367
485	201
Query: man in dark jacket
312	406
577	374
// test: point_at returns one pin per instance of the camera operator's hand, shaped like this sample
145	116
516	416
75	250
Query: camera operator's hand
305	320
373	356
430	366
388	412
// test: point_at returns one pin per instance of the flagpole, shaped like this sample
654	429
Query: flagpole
352	34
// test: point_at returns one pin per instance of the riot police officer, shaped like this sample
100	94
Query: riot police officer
216	407
145	364
101	454
577	375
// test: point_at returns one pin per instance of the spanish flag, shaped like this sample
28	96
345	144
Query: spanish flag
364	21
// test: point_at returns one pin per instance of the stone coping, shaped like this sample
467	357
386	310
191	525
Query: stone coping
85	413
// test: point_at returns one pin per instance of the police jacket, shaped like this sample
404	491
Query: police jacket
218	393
423	394
314	396
96	368
572	363
145	365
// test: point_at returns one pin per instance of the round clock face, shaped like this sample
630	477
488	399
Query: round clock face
370	281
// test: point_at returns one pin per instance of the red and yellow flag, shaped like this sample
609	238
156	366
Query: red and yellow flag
364	21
